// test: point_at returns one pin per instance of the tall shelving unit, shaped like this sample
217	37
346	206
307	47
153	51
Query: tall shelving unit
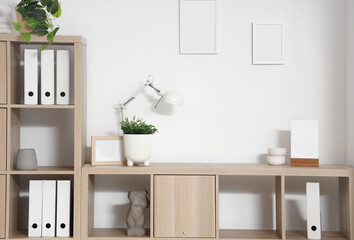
13	113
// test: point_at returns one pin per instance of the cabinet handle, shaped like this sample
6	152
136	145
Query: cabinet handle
184	233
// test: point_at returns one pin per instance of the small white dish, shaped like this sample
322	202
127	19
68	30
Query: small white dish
276	151
276	160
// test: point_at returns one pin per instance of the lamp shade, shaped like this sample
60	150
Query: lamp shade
173	98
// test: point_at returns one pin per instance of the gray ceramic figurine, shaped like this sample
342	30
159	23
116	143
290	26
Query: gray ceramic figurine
136	218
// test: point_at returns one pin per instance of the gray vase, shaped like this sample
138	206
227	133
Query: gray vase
26	159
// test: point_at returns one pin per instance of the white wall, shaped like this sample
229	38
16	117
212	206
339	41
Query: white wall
233	110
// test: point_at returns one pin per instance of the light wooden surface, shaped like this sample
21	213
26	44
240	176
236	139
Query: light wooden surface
3	88
344	210
184	206
2	205
3	137
325	235
23	235
238	169
280	205
23	106
248	234
62	39
114	233
13	106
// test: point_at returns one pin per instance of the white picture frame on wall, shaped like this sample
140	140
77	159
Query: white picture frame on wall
267	43
107	150
197	27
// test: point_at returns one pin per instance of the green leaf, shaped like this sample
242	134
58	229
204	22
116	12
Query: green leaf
40	30
50	37
27	37
33	23
58	13
38	14
55	30
44	2
50	5
21	10
17	26
55	7
43	47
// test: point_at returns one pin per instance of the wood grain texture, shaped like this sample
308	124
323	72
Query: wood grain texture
13	137
2	205
238	169
114	233
344	210
280	205
304	162
325	235
248	234
3	71
184	206
3	137
36	39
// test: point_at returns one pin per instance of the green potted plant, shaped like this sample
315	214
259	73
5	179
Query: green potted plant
36	17
137	140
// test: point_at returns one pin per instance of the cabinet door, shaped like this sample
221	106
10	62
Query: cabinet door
3	73
2	205
184	206
2	139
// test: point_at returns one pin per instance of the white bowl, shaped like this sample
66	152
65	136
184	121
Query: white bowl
276	160
277	151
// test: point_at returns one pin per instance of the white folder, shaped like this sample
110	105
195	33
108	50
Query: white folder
35	208
63	208
313	211
31	76
47	77
63	77
49	198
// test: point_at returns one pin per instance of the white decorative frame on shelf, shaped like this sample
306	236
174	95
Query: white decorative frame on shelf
107	150
197	27
267	44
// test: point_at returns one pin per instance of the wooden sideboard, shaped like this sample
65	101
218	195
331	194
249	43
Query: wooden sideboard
185	200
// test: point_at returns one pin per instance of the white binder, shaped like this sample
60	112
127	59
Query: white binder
313	211
47	77
35	208
31	76
63	77
63	208
49	198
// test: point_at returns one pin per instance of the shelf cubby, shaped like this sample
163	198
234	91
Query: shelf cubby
108	204
17	69
334	203
49	131
18	202
266	202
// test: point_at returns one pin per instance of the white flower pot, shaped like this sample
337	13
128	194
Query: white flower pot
137	148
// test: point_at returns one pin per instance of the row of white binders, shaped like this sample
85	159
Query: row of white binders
47	90
49	208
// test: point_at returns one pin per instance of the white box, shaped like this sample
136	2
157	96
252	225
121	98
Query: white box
63	208
313	211
305	139
30	76
47	77
63	77
49	199
35	208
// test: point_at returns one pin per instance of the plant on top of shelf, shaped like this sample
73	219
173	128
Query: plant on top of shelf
137	140
137	126
35	17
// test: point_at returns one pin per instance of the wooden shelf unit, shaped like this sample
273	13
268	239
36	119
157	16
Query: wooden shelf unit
279	173
12	107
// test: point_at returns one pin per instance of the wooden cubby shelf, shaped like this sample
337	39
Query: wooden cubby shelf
172	179
56	132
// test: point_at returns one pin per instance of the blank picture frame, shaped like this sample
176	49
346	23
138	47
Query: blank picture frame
267	45
197	27
107	150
